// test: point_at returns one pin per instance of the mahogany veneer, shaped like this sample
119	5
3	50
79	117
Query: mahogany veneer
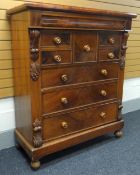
68	75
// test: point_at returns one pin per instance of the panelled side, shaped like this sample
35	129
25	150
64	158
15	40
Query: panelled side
21	71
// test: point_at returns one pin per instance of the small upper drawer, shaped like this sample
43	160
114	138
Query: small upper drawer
69	97
108	53
78	74
53	38
109	38
85	46
56	57
69	123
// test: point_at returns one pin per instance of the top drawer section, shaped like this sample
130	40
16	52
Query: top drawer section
77	21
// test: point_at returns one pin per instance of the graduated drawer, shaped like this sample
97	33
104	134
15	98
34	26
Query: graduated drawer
55	39
63	98
69	123
78	74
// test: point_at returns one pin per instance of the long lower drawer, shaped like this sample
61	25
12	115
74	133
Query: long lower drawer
74	74
67	98
69	123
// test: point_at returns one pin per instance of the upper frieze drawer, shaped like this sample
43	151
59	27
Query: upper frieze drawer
62	20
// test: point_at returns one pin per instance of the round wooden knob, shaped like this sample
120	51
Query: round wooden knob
104	72
64	100
111	55
64	78
57	58
57	40
111	40
102	115
103	93
64	125
86	48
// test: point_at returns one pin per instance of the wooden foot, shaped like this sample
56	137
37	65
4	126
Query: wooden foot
118	134
35	164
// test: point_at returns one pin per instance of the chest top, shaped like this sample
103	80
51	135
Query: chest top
70	17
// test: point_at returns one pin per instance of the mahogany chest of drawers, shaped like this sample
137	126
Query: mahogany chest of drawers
68	67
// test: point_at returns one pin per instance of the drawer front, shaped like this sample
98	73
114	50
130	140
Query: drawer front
85	46
57	39
69	21
70	97
56	57
78	74
108	53
109	38
61	125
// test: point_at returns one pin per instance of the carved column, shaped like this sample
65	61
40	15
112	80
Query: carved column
35	85
125	36
120	106
34	44
123	49
37	133
34	52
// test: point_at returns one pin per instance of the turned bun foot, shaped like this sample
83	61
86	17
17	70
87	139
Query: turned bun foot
118	134
35	164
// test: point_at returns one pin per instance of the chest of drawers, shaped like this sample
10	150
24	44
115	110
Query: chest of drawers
68	67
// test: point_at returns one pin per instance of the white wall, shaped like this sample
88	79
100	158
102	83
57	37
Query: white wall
131	102
7	116
131	95
131	89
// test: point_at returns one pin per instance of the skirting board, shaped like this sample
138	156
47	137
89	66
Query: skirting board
131	105
7	138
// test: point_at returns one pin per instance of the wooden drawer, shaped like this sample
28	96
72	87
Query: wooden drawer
70	97
108	53
85	46
73	122
110	38
72	21
57	39
78	74
56	57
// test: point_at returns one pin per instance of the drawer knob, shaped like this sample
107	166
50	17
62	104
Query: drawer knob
103	115
57	40
104	72
64	100
64	125
111	55
57	58
111	40
86	48
64	78
103	93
